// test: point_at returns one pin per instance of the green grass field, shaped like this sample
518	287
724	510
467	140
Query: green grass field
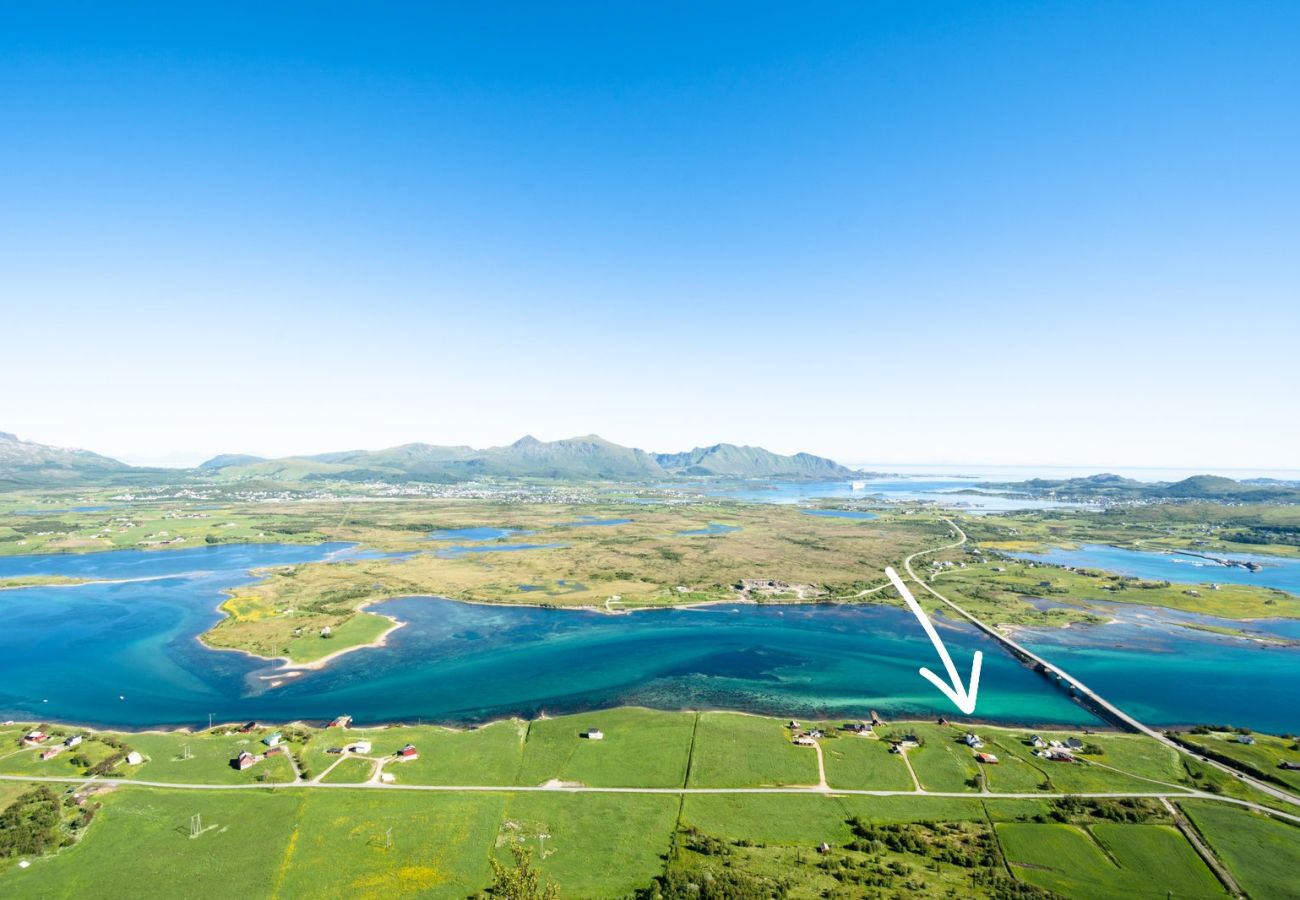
1107	860
341	845
859	763
735	750
1263	755
596	845
640	748
350	770
1263	854
943	762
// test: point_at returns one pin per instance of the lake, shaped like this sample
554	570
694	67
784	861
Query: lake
69	653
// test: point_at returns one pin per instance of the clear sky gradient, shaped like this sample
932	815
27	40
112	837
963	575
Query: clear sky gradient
1018	233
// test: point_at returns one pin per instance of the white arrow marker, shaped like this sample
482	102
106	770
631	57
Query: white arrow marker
953	687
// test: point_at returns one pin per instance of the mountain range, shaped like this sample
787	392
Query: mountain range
27	464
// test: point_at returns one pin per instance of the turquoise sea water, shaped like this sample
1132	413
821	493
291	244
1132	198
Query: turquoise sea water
1275	572
939	490
70	653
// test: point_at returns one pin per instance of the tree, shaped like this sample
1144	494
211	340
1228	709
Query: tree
521	881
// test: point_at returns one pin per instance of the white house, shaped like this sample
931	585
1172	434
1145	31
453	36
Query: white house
594	734
134	758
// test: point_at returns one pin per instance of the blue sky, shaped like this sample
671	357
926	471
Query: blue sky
1023	233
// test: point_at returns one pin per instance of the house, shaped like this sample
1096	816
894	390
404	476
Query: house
33	738
247	727
326	632
278	748
594	734
134	758
987	758
804	740
273	739
358	747
1037	742
816	733
52	752
387	777
1057	754
72	741
857	727
408	753
246	760
792	725
973	741
1074	744
1245	739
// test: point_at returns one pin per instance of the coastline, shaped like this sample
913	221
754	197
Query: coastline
462	727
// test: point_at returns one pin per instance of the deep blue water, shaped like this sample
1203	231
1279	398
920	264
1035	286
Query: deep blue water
1277	572
68	653
841	513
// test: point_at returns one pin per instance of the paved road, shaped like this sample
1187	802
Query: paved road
1078	685
585	789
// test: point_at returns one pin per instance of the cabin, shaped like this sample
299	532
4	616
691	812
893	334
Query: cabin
594	734
273	739
1037	742
987	758
1245	739
816	733
1057	754
134	758
1074	744
973	741
35	737
857	727
72	741
247	727
792	725
358	747
246	760
407	753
